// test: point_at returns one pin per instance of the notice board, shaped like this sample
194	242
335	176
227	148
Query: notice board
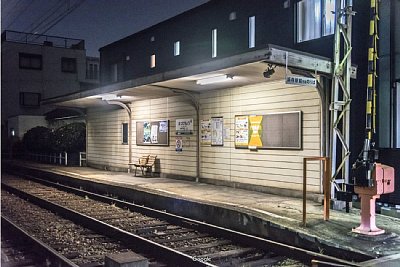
152	133
270	131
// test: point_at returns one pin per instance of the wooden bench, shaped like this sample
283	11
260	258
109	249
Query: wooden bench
145	164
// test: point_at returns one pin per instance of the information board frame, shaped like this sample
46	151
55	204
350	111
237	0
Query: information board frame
156	133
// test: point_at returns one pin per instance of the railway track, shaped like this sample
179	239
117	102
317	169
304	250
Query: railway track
33	236
176	240
18	248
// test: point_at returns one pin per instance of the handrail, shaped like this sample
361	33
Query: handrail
326	185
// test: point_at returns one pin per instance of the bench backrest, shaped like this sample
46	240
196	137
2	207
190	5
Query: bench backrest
151	160
143	160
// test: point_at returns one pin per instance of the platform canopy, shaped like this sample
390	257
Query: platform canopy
243	69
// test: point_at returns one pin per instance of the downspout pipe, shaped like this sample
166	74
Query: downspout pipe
129	111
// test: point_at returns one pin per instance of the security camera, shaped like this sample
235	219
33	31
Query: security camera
269	71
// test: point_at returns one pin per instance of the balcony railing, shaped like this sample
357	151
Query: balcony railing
41	39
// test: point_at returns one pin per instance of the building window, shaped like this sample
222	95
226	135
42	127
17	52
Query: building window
28	99
92	71
214	43
315	19
252	32
232	16
68	64
114	72
124	133
177	48
30	61
153	61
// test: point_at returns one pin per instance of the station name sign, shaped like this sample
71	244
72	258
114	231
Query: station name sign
299	80
184	126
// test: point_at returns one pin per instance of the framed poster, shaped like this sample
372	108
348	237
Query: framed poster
205	129
152	133
271	131
241	131
217	131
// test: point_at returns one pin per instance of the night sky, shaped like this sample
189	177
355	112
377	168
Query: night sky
98	22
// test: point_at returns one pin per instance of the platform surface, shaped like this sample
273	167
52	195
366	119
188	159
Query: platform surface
281	211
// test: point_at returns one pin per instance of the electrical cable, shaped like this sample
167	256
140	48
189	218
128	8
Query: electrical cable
19	14
49	13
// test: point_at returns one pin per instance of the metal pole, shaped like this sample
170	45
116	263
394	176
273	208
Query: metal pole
304	191
327	187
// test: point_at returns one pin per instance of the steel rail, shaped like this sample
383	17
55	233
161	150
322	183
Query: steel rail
57	258
137	243
300	254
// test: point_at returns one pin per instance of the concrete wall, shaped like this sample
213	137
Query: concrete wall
273	168
50	81
21	124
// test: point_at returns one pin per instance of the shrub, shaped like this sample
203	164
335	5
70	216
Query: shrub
71	137
39	139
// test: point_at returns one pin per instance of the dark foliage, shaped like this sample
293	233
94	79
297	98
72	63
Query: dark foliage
71	138
68	138
39	139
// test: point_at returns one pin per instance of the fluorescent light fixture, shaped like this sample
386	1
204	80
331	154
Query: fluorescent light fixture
215	79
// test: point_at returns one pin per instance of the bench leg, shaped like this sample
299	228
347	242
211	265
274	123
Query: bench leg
142	171
135	170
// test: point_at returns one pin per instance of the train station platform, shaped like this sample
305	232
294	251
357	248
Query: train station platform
270	216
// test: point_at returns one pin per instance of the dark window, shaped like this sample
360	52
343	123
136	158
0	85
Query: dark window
30	61
114	72
92	71
68	64
29	99
124	133
315	18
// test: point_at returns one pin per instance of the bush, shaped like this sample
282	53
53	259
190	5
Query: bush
39	139
71	138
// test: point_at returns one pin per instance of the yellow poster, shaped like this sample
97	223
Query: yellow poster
255	131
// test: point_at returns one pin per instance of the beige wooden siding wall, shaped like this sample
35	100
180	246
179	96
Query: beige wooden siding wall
171	108
105	138
275	168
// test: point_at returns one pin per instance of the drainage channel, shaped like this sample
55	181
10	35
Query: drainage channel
195	241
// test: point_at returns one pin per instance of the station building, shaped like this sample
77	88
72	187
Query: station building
208	93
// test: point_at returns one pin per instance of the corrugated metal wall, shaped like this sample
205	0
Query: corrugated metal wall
276	168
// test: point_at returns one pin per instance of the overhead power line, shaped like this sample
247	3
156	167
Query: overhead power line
43	18
20	14
62	16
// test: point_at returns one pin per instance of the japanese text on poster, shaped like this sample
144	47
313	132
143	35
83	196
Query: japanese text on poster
241	131
205	132
184	126
217	131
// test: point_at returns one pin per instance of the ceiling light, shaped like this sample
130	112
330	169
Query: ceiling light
215	79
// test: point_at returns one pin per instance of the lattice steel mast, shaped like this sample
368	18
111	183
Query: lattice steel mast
340	97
